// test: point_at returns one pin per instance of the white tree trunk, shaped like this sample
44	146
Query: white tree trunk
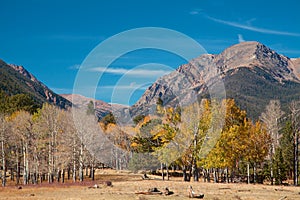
3	161
248	173
74	159
81	163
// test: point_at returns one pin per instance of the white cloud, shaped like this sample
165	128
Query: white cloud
132	84
125	87
194	12
133	72
241	39
75	67
62	90
252	28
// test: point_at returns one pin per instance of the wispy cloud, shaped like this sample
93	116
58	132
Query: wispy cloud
282	49
240	38
74	67
62	90
195	11
133	72
252	28
125	87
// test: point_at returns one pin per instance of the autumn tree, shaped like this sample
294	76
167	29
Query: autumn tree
108	119
191	126
240	141
257	144
49	125
4	134
23	128
270	118
92	140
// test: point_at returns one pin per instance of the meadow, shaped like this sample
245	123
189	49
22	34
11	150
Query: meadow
126	184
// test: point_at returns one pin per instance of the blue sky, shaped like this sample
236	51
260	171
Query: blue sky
52	38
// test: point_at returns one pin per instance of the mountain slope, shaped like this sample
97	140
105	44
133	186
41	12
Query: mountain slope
296	66
80	101
17	80
252	73
101	108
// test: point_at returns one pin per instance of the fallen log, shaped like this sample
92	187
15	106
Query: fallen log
149	193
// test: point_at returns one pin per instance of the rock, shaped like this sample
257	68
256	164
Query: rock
94	186
107	183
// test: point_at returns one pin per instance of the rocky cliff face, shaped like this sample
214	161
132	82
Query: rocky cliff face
24	72
244	68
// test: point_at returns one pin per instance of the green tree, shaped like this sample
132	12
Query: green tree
160	107
108	119
287	148
21	102
3	101
295	122
138	119
90	108
279	166
146	139
11	104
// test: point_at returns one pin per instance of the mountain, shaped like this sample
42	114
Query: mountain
16	79
101	108
296	66
252	74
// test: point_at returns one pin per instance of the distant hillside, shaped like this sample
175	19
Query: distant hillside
17	80
101	108
252	73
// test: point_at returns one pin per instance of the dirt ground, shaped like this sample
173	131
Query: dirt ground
126	184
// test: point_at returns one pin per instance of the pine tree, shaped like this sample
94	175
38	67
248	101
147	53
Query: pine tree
279	167
287	148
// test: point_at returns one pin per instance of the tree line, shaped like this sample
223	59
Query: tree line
208	139
46	146
239	150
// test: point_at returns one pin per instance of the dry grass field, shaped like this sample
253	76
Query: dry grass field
126	184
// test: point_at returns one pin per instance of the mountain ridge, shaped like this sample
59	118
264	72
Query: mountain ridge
254	62
15	79
252	74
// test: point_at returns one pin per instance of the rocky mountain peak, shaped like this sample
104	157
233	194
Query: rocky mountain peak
244	54
255	54
246	61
